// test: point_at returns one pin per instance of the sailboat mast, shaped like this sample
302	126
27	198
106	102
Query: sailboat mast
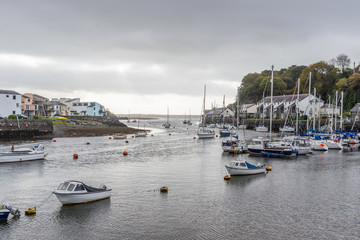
237	108
341	110
297	108
204	107
314	109
271	99
336	101
307	119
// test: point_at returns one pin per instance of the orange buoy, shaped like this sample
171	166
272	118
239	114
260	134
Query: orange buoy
194	137
268	168
125	153
164	189
20	159
169	134
152	135
216	135
132	136
75	156
88	143
109	137
54	140
227	177
126	141
321	144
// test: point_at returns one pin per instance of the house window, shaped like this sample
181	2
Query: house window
28	99
27	107
17	105
7	95
14	97
13	112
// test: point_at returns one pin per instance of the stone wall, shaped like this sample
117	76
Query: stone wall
24	128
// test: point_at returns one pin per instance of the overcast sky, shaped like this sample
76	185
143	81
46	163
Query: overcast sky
147	55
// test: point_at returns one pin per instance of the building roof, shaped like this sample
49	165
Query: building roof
56	103
356	108
72	99
9	92
284	98
246	105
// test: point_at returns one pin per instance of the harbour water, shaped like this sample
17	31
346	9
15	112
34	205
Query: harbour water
310	197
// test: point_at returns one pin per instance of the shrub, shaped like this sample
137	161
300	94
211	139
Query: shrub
12	116
35	117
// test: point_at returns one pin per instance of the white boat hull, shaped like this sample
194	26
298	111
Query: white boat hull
303	150
13	157
73	198
141	134
334	145
262	129
243	171
205	135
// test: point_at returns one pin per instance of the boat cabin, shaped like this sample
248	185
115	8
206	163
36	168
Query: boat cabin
72	186
238	164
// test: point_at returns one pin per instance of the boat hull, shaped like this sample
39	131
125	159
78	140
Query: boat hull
262	129
4	213
11	157
280	152
71	198
243	171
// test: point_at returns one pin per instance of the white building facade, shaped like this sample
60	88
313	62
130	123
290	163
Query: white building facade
10	103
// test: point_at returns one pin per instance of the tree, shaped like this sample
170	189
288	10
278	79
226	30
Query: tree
343	61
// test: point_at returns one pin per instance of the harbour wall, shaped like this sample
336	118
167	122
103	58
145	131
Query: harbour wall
25	128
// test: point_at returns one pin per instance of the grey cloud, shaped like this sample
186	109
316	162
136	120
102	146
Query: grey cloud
195	41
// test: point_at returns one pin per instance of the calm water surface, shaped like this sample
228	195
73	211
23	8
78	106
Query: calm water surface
311	197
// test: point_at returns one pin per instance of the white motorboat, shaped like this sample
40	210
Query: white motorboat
287	129
234	146
75	192
242	126
301	144
261	128
21	155
241	167
205	133
334	144
141	134
318	145
119	136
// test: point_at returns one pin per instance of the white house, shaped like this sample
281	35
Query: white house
10	103
69	104
248	110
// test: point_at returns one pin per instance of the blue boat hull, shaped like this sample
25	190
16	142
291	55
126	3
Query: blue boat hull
272	152
4	215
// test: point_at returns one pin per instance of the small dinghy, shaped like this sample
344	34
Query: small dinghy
242	167
119	136
75	192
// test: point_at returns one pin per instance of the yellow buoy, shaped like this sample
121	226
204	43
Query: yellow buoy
30	211
268	168
164	189
227	177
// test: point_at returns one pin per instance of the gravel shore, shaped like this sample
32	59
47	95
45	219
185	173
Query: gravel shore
88	131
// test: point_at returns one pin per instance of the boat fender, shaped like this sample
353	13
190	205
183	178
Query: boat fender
232	147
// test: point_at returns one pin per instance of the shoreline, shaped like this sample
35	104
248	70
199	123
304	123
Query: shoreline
90	131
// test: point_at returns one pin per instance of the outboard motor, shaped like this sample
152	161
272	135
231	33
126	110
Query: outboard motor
102	186
13	211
